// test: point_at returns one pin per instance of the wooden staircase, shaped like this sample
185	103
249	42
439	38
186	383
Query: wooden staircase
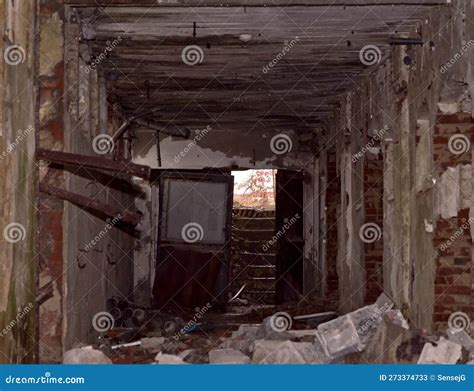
253	255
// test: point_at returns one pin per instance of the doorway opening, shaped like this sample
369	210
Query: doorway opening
253	243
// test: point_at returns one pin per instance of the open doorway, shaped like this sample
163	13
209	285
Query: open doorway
253	245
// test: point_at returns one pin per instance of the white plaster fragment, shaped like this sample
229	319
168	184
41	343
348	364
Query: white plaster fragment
448	107
449	196
454	190
428	226
445	352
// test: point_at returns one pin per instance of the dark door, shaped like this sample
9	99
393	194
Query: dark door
289	231
194	239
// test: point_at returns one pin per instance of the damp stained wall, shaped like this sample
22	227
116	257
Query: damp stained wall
17	179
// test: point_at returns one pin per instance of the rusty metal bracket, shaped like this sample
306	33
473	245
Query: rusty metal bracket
99	163
90	204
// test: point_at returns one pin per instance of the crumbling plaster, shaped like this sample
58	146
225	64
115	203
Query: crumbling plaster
17	115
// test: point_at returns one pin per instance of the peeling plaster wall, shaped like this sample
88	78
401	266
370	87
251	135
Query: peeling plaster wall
219	149
453	231
17	143
402	94
95	269
51	136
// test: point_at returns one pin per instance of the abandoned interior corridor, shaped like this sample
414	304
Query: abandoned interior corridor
123	124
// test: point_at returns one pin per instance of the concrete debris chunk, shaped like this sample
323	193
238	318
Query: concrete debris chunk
314	320
396	317
86	355
195	356
384	302
461	337
228	356
153	343
445	352
269	330
244	345
171	346
284	352
339	336
162	358
366	320
393	343
246	331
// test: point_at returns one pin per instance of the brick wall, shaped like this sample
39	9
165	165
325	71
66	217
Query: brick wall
50	221
452	238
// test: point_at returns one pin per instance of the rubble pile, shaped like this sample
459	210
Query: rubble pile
374	334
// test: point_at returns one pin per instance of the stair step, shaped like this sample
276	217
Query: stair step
253	234
254	246
252	213
254	259
252	271
254	223
259	284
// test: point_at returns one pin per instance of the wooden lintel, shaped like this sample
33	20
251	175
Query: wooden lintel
88	203
100	163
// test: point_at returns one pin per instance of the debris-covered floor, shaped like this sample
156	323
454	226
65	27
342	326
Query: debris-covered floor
377	333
